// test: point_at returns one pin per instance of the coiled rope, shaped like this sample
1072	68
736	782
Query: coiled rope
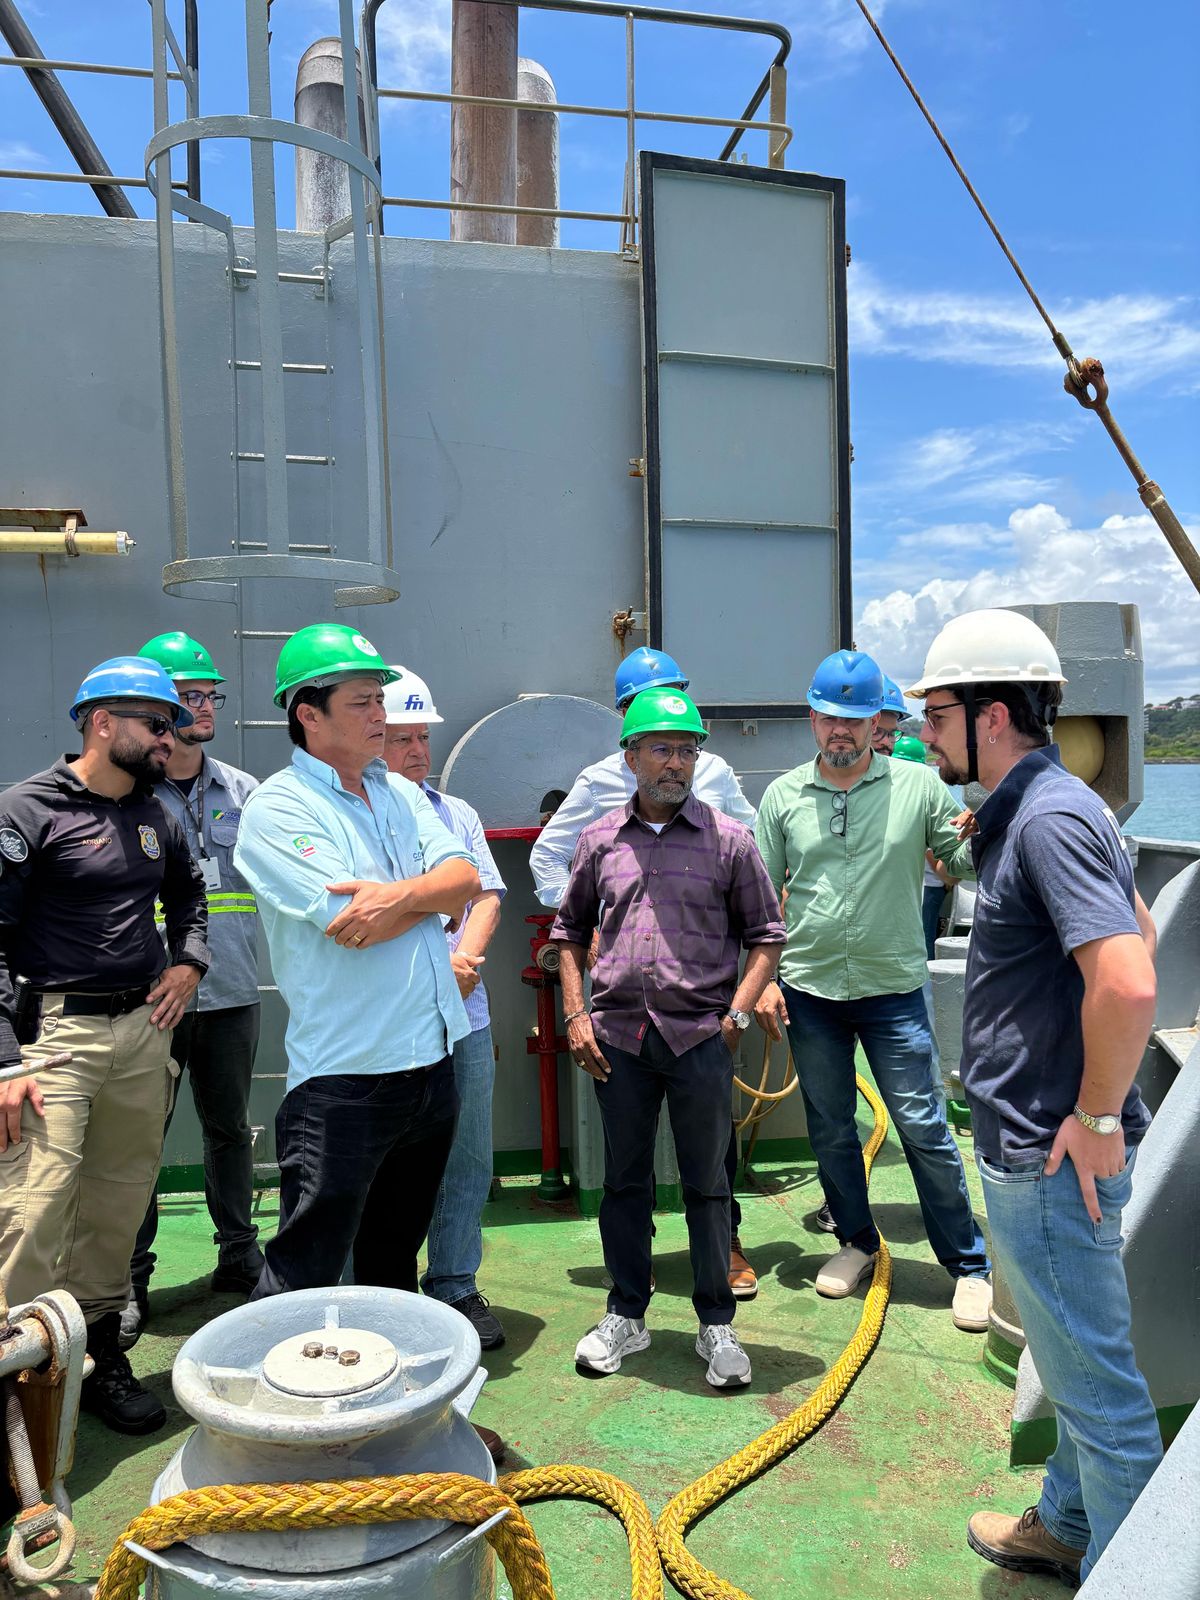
455	1497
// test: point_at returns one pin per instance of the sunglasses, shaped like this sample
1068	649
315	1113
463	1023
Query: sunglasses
194	699
154	720
837	822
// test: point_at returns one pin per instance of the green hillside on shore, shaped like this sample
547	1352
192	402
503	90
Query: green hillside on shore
1173	731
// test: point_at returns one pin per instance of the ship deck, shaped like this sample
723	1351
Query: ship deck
874	1505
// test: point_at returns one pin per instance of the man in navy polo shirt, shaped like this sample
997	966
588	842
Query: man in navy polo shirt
1060	995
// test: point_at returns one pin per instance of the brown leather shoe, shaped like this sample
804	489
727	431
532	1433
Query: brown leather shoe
496	1446
1023	1544
742	1277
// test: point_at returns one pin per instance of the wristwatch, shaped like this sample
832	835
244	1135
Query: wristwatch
740	1019
1105	1124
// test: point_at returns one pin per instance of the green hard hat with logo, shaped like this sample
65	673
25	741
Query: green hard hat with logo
661	711
181	657
909	748
324	654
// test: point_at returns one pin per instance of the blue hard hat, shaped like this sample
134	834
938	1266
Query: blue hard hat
847	684
893	697
646	669
130	678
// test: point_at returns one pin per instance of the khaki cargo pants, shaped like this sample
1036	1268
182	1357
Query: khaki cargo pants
74	1191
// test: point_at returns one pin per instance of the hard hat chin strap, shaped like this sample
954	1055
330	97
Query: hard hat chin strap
970	711
1034	694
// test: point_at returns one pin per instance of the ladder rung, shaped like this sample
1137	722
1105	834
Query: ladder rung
303	461
288	366
261	544
284	277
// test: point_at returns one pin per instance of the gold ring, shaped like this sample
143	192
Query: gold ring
358	938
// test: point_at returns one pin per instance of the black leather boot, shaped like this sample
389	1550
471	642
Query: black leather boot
112	1392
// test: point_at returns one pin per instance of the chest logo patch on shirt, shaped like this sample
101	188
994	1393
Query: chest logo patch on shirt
12	846
303	845
148	839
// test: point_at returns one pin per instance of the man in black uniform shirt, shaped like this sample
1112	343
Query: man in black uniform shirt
85	851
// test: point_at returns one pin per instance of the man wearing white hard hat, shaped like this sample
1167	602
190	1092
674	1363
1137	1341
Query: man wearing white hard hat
1060	995
455	1233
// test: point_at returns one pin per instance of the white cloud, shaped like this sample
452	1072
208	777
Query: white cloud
414	46
16	153
1039	558
959	466
1143	337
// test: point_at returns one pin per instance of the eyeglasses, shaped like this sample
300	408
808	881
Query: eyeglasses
195	698
687	753
837	822
154	720
933	713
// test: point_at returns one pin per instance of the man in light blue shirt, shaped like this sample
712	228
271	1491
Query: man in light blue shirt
456	1233
352	871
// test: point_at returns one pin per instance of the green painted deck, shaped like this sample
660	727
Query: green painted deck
873	1506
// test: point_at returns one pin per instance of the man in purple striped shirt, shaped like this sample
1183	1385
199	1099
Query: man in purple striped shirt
683	889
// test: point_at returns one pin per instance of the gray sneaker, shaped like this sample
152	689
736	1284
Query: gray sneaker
728	1363
610	1341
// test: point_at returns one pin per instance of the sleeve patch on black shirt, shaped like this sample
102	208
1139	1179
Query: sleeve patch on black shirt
12	846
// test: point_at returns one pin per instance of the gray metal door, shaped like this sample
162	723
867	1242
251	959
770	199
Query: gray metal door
747	428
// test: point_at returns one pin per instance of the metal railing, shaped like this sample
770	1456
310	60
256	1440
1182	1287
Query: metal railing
41	72
772	88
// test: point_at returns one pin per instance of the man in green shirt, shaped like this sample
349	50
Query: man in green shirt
846	836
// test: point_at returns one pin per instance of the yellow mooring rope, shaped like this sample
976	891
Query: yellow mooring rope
455	1497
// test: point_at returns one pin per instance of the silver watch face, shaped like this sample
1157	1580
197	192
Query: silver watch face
1107	1124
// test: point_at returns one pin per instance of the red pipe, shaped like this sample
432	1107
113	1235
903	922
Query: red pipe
546	1042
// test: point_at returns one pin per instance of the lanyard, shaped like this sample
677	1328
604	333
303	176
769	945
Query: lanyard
196	815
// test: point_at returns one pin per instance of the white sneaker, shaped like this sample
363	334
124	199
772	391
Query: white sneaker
972	1302
613	1338
843	1273
728	1363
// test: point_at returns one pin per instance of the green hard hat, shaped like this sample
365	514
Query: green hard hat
661	711
326	653
909	748
180	656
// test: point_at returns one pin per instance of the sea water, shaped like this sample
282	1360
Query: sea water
1171	809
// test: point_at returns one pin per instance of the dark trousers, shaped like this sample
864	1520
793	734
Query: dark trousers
731	1166
216	1048
932	899
361	1156
697	1086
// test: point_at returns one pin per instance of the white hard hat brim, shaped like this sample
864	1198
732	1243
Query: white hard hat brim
412	719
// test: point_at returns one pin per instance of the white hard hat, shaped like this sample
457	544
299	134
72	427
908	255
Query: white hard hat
408	701
988	647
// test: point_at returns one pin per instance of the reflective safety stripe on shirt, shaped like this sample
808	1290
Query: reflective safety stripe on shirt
230	900
222	900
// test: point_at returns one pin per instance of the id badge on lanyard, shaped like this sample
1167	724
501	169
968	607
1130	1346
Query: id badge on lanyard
210	871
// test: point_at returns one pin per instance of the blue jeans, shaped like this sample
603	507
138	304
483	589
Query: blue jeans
894	1031
1068	1281
456	1232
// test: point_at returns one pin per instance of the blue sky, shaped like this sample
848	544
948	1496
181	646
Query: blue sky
976	481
